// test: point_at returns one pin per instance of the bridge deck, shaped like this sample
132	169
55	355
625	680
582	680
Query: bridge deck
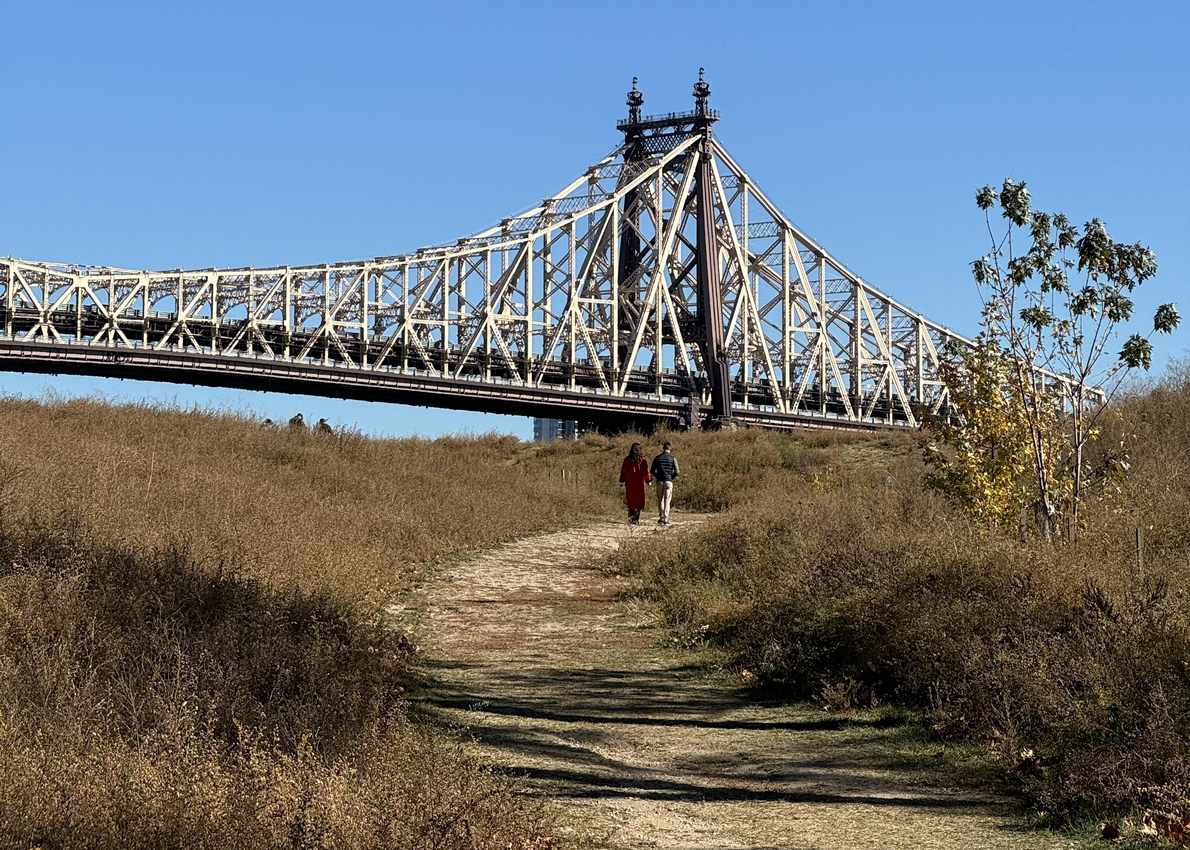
393	385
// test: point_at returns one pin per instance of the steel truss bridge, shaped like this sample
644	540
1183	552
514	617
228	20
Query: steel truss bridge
660	284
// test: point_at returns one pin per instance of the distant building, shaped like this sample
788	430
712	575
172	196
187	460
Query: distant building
548	430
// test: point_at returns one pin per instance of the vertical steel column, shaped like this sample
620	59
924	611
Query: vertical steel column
43	309
183	329
892	365
787	389
144	294
919	329
614	352
289	322
10	282
857	352
365	332
405	326
214	311
627	260
487	313
326	315
530	258
824	341
445	324
251	312
572	307
710	290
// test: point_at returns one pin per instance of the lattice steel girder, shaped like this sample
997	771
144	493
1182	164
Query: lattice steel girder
541	303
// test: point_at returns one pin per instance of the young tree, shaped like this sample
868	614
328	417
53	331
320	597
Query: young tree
981	457
1056	298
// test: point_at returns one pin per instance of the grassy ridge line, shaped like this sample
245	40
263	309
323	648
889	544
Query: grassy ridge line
342	514
722	470
854	584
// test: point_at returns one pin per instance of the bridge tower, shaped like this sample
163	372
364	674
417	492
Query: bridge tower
642	137
629	262
710	299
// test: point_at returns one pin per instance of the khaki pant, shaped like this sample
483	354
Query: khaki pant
665	494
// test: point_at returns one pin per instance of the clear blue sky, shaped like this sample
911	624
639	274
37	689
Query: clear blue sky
157	135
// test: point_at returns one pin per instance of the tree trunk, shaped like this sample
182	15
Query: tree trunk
1079	440
1043	507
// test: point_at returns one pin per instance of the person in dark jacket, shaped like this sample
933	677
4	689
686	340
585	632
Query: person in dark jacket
665	472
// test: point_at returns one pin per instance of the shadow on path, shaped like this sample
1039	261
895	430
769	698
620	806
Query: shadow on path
573	696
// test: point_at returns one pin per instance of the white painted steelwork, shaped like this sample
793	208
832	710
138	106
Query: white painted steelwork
538	315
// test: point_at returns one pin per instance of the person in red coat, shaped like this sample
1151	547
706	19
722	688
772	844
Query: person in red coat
634	478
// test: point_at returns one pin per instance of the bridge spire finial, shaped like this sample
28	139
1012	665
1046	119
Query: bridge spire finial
702	91
635	101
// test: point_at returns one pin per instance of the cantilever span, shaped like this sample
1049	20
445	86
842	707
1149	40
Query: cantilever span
661	283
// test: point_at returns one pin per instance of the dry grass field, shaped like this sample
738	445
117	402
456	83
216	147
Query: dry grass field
193	651
847	582
191	646
341	514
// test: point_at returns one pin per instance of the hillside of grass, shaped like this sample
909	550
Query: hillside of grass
340	513
847	582
192	647
194	652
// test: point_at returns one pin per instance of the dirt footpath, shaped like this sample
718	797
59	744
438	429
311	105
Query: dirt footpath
529	650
